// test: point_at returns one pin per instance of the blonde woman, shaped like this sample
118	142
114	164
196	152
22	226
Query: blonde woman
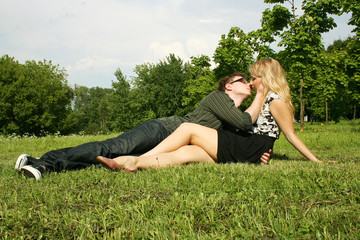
195	143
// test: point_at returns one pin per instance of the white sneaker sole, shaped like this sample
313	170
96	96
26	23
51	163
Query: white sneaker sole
31	172
21	161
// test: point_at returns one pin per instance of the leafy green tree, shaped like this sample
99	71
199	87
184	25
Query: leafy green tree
98	109
349	50
78	120
328	96
201	82
234	53
158	89
91	109
10	71
353	72
39	97
301	40
81	97
353	7
121	115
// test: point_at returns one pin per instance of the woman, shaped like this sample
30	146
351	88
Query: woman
195	143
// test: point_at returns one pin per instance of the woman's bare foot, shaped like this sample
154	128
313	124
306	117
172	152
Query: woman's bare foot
117	164
109	163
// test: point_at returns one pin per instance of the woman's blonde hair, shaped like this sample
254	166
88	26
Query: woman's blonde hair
273	79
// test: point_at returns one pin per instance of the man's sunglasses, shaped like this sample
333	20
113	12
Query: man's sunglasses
240	80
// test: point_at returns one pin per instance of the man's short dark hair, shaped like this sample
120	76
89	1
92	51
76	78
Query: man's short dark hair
223	81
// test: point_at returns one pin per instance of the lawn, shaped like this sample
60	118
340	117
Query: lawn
291	198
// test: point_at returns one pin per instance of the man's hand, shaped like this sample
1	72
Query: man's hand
265	158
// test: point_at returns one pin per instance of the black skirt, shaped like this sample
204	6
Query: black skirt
242	147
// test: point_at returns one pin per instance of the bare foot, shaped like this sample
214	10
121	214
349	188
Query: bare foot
109	163
116	165
128	163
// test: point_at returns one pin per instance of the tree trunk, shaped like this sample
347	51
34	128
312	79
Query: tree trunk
326	111
355	112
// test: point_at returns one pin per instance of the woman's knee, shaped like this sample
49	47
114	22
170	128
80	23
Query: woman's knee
188	128
194	154
188	125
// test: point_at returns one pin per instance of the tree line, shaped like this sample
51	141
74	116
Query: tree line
325	82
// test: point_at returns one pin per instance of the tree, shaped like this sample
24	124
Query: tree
301	40
329	92
39	97
353	7
201	82
121	116
158	89
349	50
10	71
91	109
98	109
234	54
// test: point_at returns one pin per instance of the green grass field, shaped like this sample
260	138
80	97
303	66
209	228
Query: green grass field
289	199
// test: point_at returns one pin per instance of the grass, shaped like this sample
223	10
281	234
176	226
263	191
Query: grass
289	199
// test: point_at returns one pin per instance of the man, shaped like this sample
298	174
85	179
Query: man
218	110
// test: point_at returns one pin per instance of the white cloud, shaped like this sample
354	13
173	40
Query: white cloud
160	51
96	63
93	38
213	20
197	46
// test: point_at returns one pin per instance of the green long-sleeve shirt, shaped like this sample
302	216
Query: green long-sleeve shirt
213	111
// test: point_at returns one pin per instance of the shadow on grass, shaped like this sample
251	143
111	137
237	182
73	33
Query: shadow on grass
284	157
279	156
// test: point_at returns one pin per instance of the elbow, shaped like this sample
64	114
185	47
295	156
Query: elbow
247	126
249	123
290	137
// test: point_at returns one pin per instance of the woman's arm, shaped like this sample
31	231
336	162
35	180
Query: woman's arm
256	105
283	117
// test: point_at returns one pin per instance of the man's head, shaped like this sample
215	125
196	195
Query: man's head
228	79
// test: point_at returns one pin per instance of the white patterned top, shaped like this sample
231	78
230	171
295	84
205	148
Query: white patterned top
266	124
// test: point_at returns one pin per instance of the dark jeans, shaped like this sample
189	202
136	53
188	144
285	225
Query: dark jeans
137	141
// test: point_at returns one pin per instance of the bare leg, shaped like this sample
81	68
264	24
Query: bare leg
189	133
185	154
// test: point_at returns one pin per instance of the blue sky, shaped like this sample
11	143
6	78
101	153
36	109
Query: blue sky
92	38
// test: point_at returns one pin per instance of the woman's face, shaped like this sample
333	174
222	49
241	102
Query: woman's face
255	82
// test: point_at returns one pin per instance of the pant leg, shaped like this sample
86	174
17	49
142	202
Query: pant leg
137	141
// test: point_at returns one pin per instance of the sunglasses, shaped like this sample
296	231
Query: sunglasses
240	80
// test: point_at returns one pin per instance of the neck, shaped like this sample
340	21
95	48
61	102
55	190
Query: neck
238	99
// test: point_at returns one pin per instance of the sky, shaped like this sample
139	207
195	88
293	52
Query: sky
91	39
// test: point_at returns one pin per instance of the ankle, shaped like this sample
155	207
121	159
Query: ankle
132	163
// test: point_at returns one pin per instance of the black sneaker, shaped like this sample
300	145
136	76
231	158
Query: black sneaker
33	171
24	159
